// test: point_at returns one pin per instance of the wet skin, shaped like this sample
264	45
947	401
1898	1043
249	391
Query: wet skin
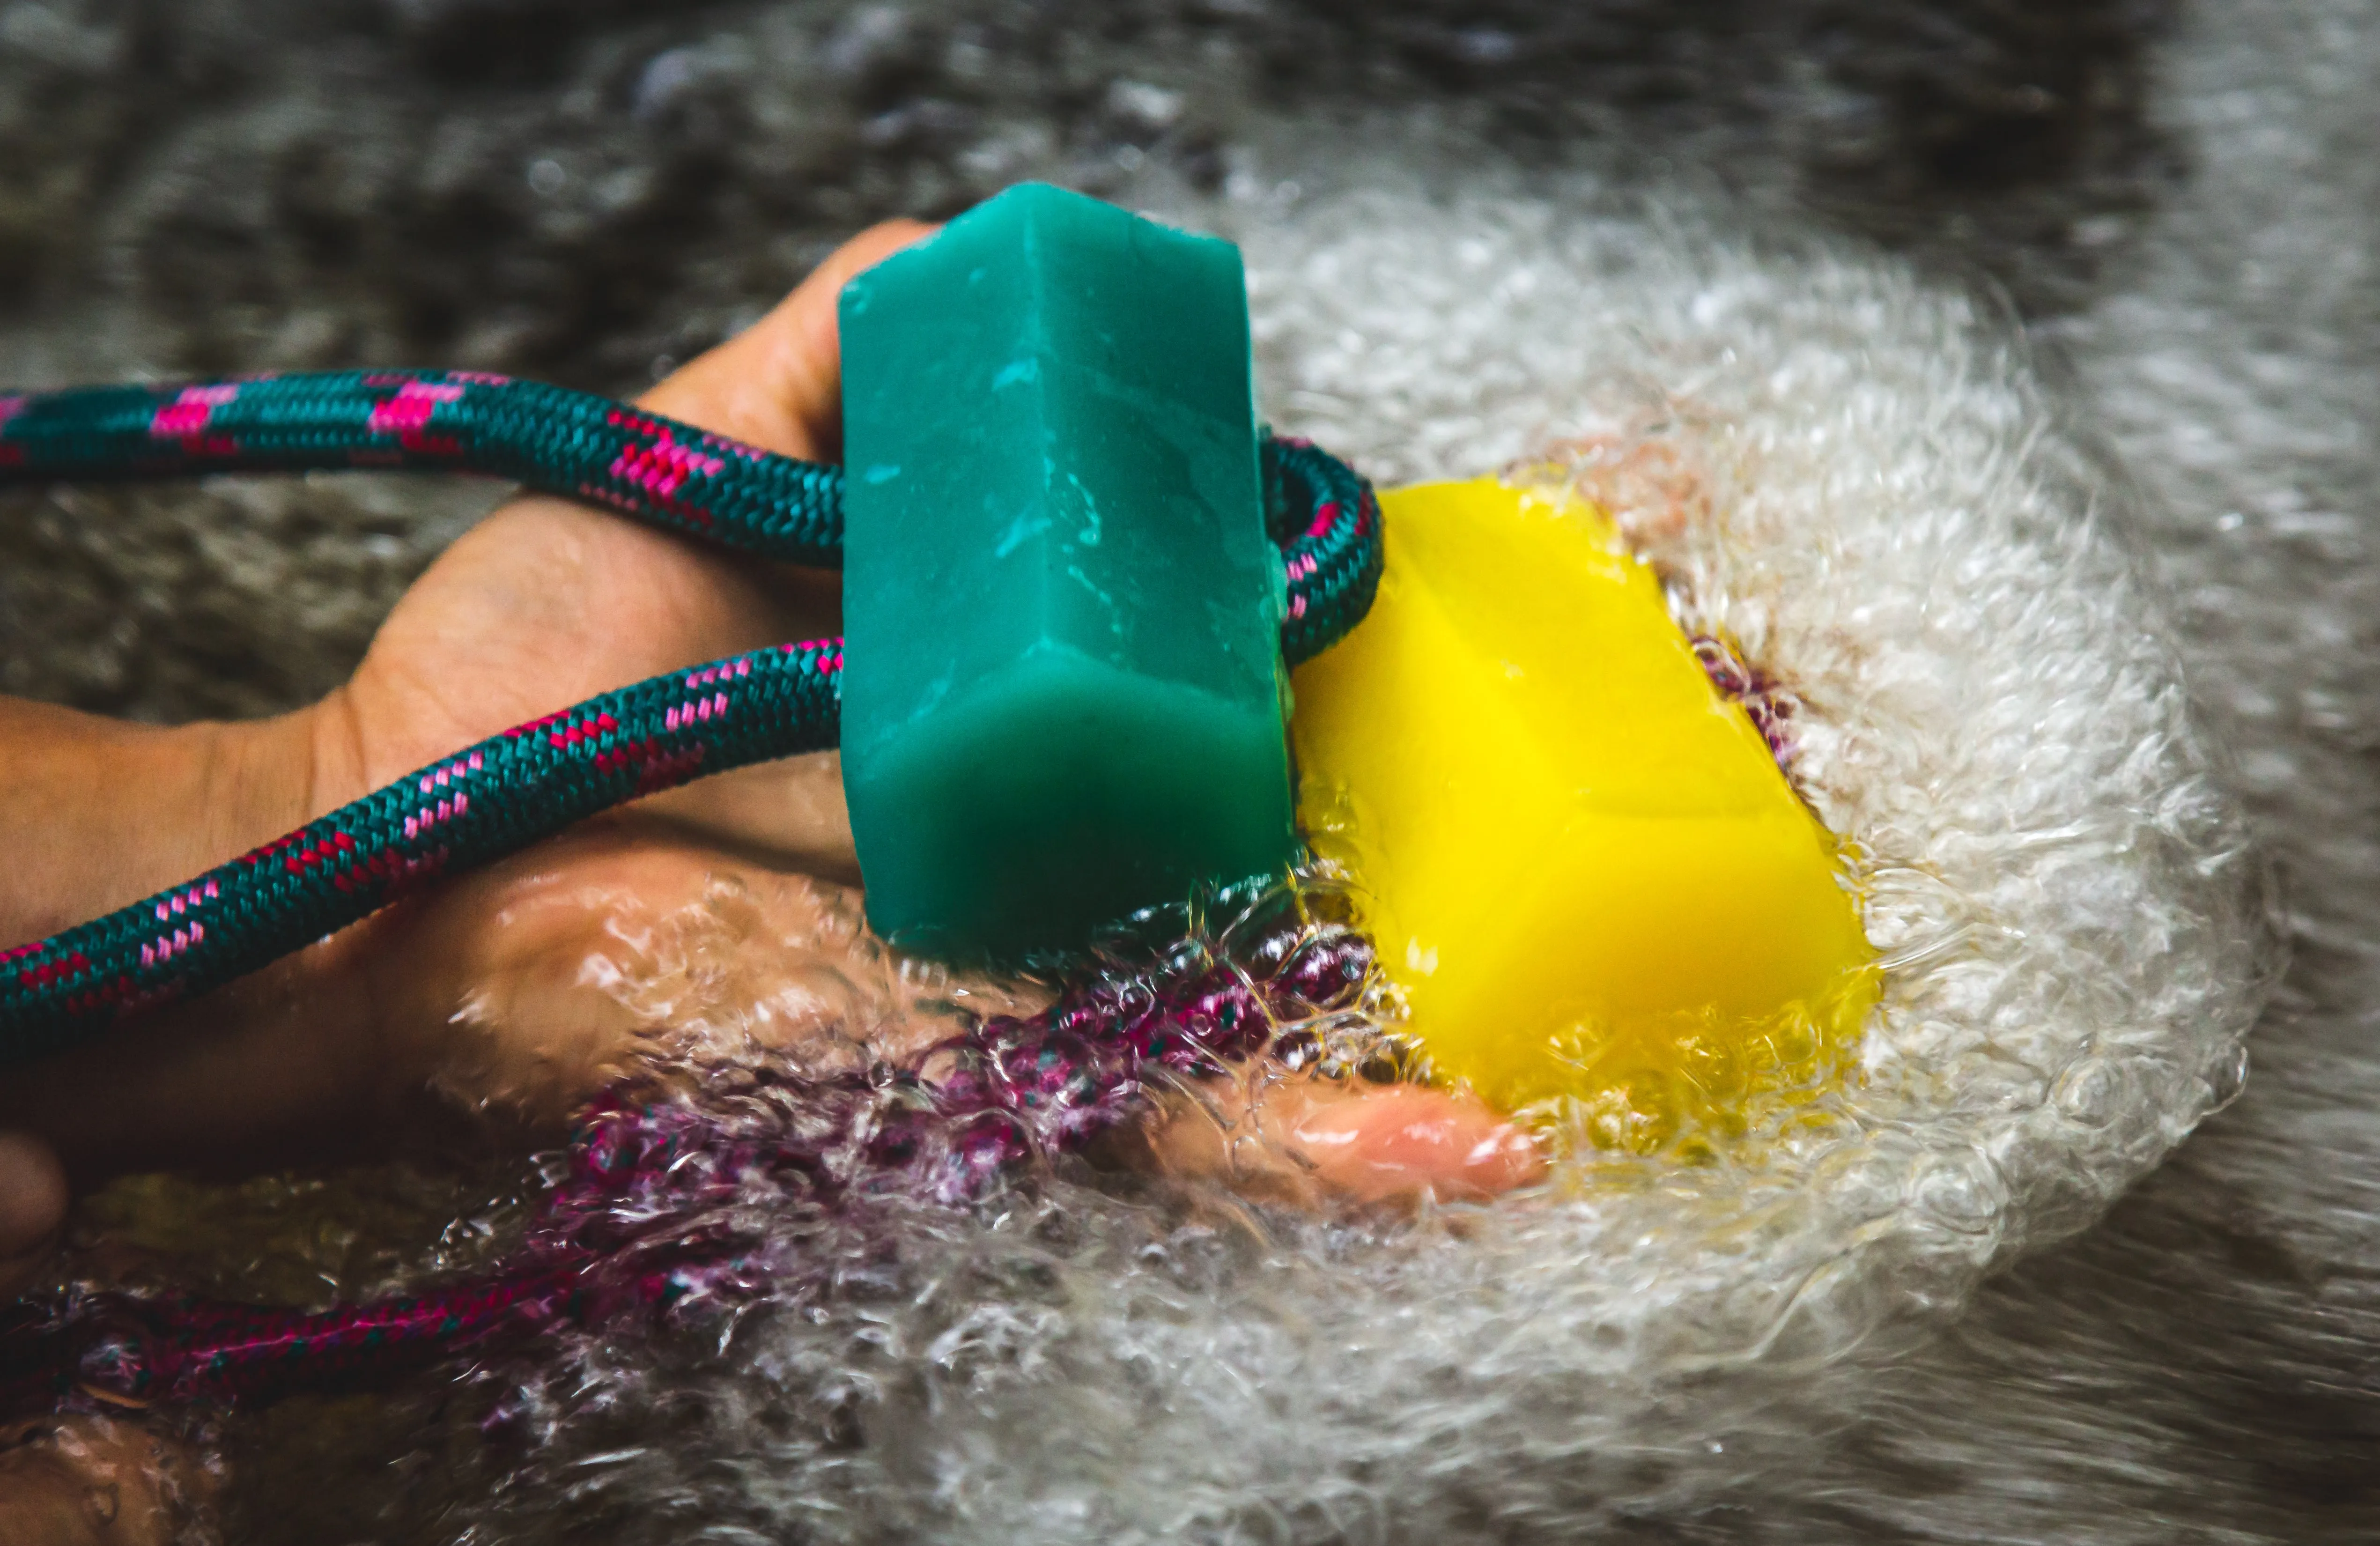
97	1481
502	1002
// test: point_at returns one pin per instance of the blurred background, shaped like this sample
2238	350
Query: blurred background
592	190
2176	203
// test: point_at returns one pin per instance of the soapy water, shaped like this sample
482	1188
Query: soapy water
655	1207
1858	485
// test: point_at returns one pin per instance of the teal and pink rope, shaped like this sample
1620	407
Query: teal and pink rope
509	791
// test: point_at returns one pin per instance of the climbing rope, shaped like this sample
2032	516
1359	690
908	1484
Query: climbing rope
512	789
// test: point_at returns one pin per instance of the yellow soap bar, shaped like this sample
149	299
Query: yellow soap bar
1580	861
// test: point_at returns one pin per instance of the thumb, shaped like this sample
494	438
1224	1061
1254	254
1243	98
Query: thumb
778	385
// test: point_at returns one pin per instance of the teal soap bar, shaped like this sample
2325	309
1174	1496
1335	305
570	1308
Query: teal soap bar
1062	696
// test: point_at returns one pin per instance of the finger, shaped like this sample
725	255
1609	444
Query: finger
32	1208
1376	1143
492	1007
570	966
778	385
1305	1140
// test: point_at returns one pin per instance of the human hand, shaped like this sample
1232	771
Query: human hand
507	997
542	604
477	999
548	602
518	991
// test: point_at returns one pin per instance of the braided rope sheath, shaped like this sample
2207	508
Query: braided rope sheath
547	438
529	783
1326	520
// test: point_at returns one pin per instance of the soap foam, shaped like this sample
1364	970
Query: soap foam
1862	482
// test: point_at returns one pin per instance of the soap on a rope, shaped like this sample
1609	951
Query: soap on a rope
1064	695
1586	873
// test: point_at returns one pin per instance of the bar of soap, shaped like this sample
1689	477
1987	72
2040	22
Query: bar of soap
1062	693
1580	861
